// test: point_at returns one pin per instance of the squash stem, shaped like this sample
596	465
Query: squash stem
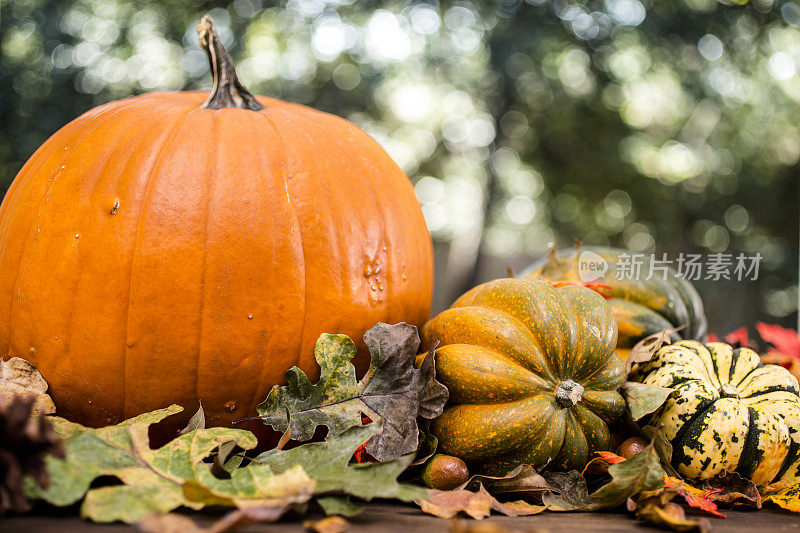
728	391
568	393
227	90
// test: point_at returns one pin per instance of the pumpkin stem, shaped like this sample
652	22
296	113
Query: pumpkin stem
227	90
568	393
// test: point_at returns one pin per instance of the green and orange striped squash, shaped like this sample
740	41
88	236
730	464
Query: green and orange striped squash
532	375
642	306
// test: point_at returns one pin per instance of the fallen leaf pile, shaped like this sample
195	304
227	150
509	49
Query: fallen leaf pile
179	475
211	467
157	481
373	444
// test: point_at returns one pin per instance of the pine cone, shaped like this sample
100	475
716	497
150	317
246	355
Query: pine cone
24	440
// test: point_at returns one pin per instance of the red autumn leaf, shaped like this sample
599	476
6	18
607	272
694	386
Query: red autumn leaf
737	338
610	457
600	288
600	464
360	455
694	497
784	341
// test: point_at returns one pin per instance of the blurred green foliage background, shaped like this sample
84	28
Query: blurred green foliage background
659	125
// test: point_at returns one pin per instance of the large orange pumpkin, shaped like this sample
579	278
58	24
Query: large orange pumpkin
160	249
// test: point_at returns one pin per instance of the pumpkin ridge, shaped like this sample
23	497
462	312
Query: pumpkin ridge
525	453
108	113
214	158
574	449
483	297
257	396
100	171
312	140
302	241
380	213
162	143
750	384
568	351
548	374
575	338
720	355
774	445
592	427
470	374
592	383
553	377
762	392
590	378
597	402
576	300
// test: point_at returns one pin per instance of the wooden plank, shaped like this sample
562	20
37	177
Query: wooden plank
385	518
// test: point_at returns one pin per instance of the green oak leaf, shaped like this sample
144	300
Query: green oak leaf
329	464
154	481
392	390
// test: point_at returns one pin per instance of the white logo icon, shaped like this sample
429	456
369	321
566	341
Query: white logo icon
591	266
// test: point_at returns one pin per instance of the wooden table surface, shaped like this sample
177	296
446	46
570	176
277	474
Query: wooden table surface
404	519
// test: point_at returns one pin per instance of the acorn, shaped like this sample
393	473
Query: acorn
631	447
445	472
